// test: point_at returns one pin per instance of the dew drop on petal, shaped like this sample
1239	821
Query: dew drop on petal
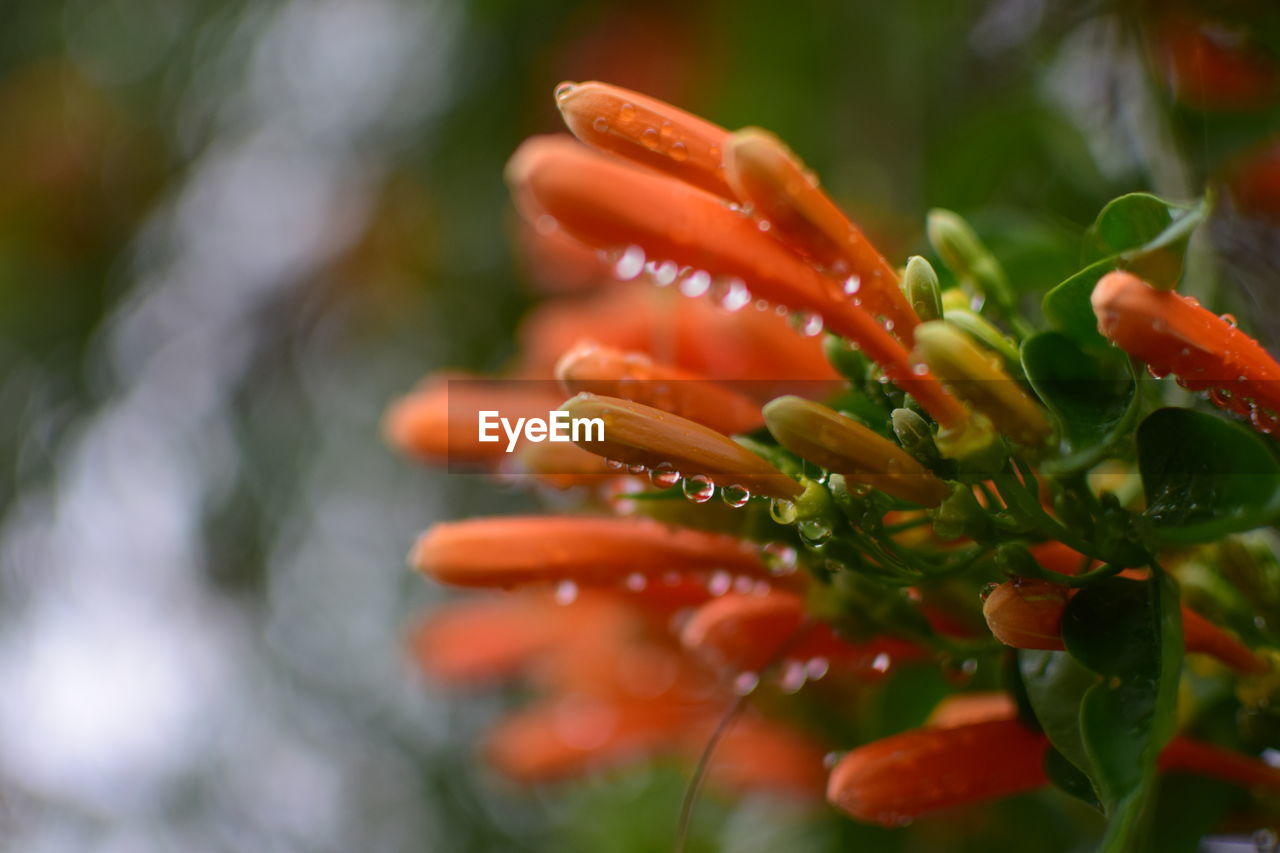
763	224
920	369
600	124
814	531
649	139
852	284
882	662
780	558
806	323
719	583
615	464
664	476
735	496
987	590
678	152
636	582
699	488
732	294
743	585
564	90
746	683
566	592
817	668
831	759
665	273
696	283
783	511
636	468
793	676
630	265
626	112
1229	319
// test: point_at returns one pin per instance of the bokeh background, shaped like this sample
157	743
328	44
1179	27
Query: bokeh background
231	232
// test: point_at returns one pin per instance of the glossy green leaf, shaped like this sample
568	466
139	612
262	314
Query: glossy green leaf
1055	685
1146	235
1205	477
1129	632
1092	397
1067	306
1069	778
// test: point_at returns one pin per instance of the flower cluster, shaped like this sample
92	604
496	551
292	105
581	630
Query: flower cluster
922	486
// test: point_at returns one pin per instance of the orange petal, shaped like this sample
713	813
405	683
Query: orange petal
899	778
591	368
1201	635
610	204
1211	68
962	709
1174	334
572	736
562	465
756	754
557	263
844	446
647	131
642	435
438	421
765	174
486	639
1206	759
693	334
515	550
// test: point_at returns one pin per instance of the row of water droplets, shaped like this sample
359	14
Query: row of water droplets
697	488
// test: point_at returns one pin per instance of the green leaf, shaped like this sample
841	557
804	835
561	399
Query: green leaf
1146	235
1055	684
1067	306
1092	397
1204	477
1130	632
1069	778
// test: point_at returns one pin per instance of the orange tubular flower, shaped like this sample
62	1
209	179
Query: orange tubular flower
1174	334
594	369
437	421
647	131
610	204
750	632
758	755
962	709
517	550
1211	68
768	176
844	446
486	639
1027	614
897	779
642	435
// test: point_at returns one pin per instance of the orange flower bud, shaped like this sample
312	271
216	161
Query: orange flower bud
767	175
962	709
1026	614
899	778
594	369
844	446
516	550
642	435
647	131
1174	334
978	378
756	754
610	204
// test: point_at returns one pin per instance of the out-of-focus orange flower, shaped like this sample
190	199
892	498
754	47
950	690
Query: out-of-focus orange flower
1209	66
1175	334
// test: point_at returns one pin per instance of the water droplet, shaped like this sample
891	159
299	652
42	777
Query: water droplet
600	124
852	284
764	224
699	489
780	558
664	476
783	511
626	112
735	496
817	668
678	152
882	662
564	90
566	592
746	683
732	294
888	325
665	273
630	265
636	468
815	531
988	589
762	305
920	369
806	323
792	677
546	224
1229	319
719	583
615	464
649	139
696	283
744	585
831	759
636	582
781	310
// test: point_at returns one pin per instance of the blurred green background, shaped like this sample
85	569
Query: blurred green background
231	232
